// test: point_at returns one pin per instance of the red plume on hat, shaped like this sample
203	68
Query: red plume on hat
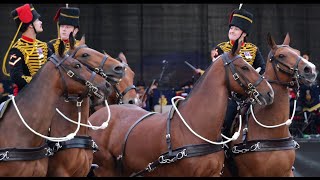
56	17
231	16
24	13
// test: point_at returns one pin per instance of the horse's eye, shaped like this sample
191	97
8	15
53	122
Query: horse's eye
245	68
85	55
281	56
77	66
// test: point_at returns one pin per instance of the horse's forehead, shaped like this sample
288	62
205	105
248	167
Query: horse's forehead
285	48
90	51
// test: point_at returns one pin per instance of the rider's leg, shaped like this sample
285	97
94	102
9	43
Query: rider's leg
230	115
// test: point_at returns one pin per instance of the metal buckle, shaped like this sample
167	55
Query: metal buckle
70	73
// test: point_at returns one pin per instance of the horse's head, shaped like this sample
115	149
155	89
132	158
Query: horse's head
289	63
102	64
245	79
77	78
125	90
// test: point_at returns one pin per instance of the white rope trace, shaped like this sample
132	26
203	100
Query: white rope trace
54	139
234	137
287	122
103	125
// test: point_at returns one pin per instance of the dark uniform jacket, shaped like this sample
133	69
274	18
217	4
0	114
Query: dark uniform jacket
249	52
54	45
26	57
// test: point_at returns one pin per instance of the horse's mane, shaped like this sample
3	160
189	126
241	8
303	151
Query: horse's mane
199	81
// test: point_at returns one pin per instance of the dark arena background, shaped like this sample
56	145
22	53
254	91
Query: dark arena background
156	37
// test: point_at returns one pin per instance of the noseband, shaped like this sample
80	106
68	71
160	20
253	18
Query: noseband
90	87
250	89
121	95
98	70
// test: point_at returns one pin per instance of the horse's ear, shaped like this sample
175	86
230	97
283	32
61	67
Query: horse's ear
286	40
271	42
72	41
61	48
122	57
83	39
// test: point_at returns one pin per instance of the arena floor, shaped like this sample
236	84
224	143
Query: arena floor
307	163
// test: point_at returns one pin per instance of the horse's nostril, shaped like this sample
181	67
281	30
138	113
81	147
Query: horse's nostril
307	69
119	69
131	102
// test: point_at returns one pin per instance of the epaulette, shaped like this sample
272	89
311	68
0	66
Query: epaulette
225	46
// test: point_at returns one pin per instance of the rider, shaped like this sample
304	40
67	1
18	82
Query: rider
67	19
28	54
240	24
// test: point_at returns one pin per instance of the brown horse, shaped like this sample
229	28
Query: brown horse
126	148
23	150
74	157
270	150
125	92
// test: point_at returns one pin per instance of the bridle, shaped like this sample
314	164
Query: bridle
120	95
91	89
291	71
249	88
98	70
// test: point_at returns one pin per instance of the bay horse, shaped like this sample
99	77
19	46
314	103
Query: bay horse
23	150
124	92
74	157
129	145
267	148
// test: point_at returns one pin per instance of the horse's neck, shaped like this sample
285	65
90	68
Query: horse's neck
35	103
276	113
204	109
61	126
112	99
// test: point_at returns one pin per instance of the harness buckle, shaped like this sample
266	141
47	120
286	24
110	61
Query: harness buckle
149	168
4	156
235	76
70	73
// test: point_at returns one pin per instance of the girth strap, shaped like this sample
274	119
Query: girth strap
187	151
121	156
25	154
85	142
265	145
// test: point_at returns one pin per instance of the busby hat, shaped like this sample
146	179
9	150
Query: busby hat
68	16
25	14
242	19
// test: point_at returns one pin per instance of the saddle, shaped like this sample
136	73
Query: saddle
4	105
